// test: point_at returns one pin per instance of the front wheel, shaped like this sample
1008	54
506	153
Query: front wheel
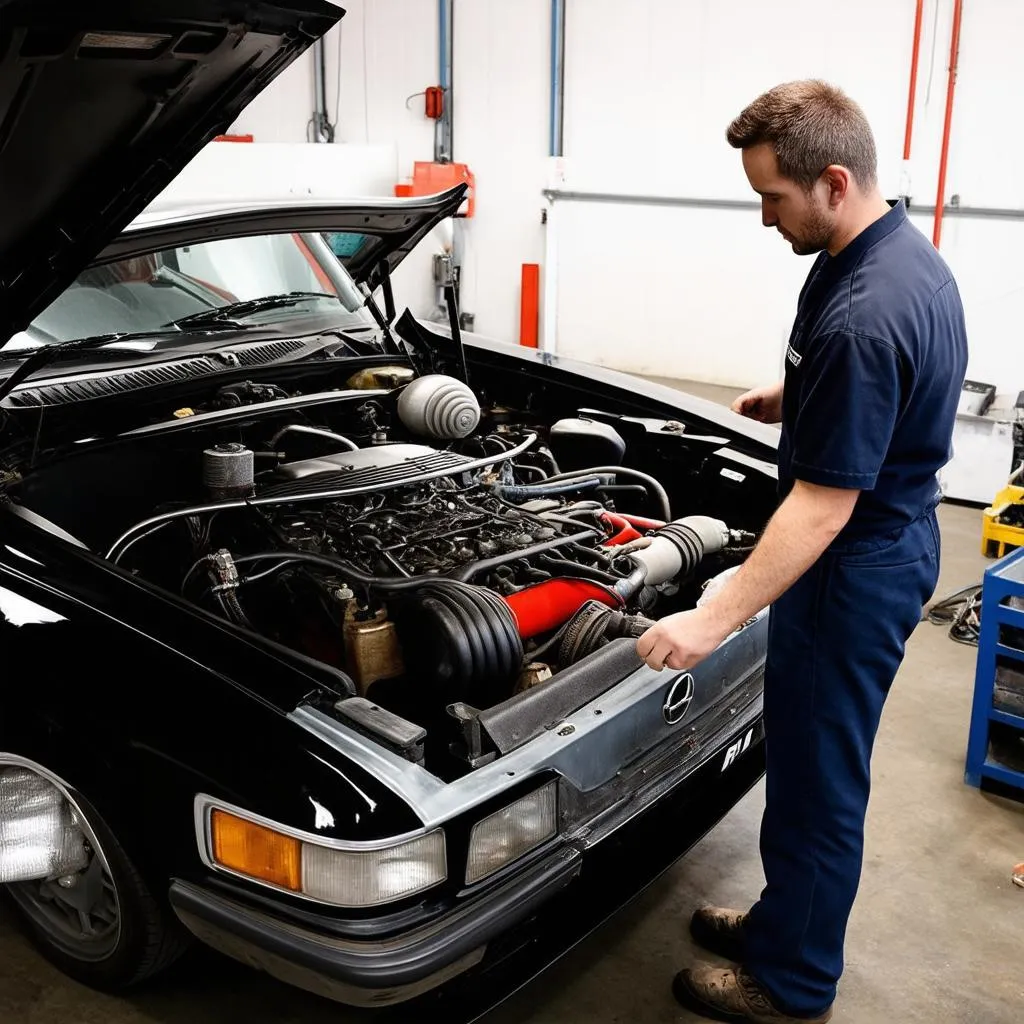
101	925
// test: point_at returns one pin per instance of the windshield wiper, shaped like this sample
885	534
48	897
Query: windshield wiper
218	315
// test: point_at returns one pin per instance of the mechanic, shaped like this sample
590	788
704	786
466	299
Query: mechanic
873	374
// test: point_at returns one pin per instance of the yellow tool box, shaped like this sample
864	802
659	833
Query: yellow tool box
1002	523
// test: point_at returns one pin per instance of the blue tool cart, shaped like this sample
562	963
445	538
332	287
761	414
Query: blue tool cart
995	748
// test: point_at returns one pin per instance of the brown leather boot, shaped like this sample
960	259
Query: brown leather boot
731	995
719	931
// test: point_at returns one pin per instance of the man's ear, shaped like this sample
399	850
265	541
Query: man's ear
838	181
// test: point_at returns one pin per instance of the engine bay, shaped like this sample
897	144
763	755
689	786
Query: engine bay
443	551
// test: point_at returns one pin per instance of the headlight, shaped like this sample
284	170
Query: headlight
344	874
511	832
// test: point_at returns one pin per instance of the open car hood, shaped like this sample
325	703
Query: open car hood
103	102
365	233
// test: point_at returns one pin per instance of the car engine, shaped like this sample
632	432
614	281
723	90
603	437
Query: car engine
446	560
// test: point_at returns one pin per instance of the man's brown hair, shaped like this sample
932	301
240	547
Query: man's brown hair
810	125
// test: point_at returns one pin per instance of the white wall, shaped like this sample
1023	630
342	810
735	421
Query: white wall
381	53
272	170
688	293
682	71
387	51
984	257
650	87
501	89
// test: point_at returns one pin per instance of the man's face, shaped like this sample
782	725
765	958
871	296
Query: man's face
804	219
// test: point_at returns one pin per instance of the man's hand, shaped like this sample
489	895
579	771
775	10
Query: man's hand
761	404
681	640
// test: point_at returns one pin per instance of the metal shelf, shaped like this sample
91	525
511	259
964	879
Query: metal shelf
1003	580
1002	651
1000	773
1006	718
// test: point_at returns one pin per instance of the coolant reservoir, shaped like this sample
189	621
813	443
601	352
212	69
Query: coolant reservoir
381	377
372	650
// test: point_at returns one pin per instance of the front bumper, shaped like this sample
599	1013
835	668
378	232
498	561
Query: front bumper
501	938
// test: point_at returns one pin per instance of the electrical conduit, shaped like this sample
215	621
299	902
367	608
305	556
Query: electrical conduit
905	186
954	55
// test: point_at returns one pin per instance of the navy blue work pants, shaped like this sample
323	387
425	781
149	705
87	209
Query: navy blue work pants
835	641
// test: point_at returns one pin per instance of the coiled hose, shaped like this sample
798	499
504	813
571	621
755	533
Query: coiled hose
463	638
595	625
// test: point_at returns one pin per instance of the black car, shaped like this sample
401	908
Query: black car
319	621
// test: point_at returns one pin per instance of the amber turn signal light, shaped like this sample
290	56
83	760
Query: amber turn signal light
256	851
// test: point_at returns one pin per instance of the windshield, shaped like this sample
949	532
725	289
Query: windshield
148	293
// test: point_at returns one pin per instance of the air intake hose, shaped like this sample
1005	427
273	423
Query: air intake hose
595	625
463	639
545	606
678	548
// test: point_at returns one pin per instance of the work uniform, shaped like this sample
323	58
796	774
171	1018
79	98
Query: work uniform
874	369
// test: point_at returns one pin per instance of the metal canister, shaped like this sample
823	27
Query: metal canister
228	471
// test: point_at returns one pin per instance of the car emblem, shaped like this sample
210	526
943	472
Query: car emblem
678	699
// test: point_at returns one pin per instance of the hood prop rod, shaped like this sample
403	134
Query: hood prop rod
389	294
453	323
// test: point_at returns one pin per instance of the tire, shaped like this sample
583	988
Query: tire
135	937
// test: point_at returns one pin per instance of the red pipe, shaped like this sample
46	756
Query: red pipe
529	305
624	536
954	54
545	606
622	525
913	80
641	522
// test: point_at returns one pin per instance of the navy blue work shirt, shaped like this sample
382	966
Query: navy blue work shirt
874	369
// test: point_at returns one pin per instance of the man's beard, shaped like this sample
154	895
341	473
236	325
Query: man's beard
815	233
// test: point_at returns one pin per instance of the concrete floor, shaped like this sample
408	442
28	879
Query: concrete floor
937	934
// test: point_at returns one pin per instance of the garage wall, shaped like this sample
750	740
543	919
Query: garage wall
387	51
380	53
653	122
501	77
650	87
